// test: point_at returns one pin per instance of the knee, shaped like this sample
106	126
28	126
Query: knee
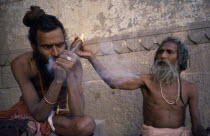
86	126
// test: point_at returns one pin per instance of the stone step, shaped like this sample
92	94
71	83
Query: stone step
100	128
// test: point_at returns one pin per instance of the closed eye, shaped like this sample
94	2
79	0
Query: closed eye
47	46
59	45
160	51
170	51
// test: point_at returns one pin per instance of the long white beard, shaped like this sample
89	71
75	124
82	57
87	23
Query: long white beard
165	74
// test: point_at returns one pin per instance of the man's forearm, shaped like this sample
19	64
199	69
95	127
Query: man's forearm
76	99
43	108
102	72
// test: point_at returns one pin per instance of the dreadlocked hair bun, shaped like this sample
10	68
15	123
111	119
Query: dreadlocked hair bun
34	13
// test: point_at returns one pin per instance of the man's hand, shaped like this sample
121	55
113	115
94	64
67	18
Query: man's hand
67	61
84	51
60	73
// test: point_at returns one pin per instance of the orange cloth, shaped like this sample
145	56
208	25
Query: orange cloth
20	111
151	131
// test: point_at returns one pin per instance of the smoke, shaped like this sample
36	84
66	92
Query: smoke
120	67
117	65
50	63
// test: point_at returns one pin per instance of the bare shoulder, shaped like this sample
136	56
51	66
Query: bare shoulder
146	77
189	87
188	84
22	59
23	63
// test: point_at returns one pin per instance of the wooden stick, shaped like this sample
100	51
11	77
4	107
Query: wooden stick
77	46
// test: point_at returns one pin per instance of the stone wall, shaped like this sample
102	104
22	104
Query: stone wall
124	36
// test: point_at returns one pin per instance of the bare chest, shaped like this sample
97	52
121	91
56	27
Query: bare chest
164	96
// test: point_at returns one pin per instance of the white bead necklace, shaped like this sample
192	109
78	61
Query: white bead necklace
178	95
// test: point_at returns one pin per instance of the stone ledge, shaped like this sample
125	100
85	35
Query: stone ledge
192	34
145	33
133	44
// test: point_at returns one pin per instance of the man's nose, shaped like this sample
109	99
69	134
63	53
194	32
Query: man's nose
54	51
164	55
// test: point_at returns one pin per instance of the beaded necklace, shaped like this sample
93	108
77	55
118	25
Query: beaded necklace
178	95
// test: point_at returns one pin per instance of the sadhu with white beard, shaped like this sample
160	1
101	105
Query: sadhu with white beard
166	95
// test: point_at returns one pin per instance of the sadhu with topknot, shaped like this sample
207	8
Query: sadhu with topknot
50	80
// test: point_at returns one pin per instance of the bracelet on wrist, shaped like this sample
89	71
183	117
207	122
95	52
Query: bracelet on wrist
48	102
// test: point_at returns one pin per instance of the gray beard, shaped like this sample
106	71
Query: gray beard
165	74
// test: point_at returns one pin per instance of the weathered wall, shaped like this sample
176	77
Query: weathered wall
124	35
